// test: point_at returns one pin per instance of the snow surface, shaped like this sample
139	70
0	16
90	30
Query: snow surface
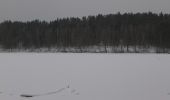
85	76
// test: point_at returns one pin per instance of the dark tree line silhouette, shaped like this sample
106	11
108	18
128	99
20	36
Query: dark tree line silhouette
113	30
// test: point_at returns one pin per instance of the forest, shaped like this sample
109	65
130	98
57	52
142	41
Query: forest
127	31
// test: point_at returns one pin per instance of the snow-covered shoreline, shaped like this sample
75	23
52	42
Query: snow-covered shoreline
92	49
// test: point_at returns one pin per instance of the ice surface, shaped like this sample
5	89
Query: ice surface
85	76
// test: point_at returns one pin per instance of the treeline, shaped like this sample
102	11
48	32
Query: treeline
112	30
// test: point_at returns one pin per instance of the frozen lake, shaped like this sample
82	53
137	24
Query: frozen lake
89	76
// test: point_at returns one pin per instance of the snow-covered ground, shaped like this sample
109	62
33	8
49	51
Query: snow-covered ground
58	76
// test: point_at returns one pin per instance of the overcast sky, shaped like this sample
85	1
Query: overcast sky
24	10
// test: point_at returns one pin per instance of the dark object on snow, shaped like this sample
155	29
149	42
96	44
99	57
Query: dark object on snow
26	95
68	86
49	93
35	95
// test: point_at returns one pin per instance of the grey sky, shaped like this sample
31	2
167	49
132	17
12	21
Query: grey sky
52	9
